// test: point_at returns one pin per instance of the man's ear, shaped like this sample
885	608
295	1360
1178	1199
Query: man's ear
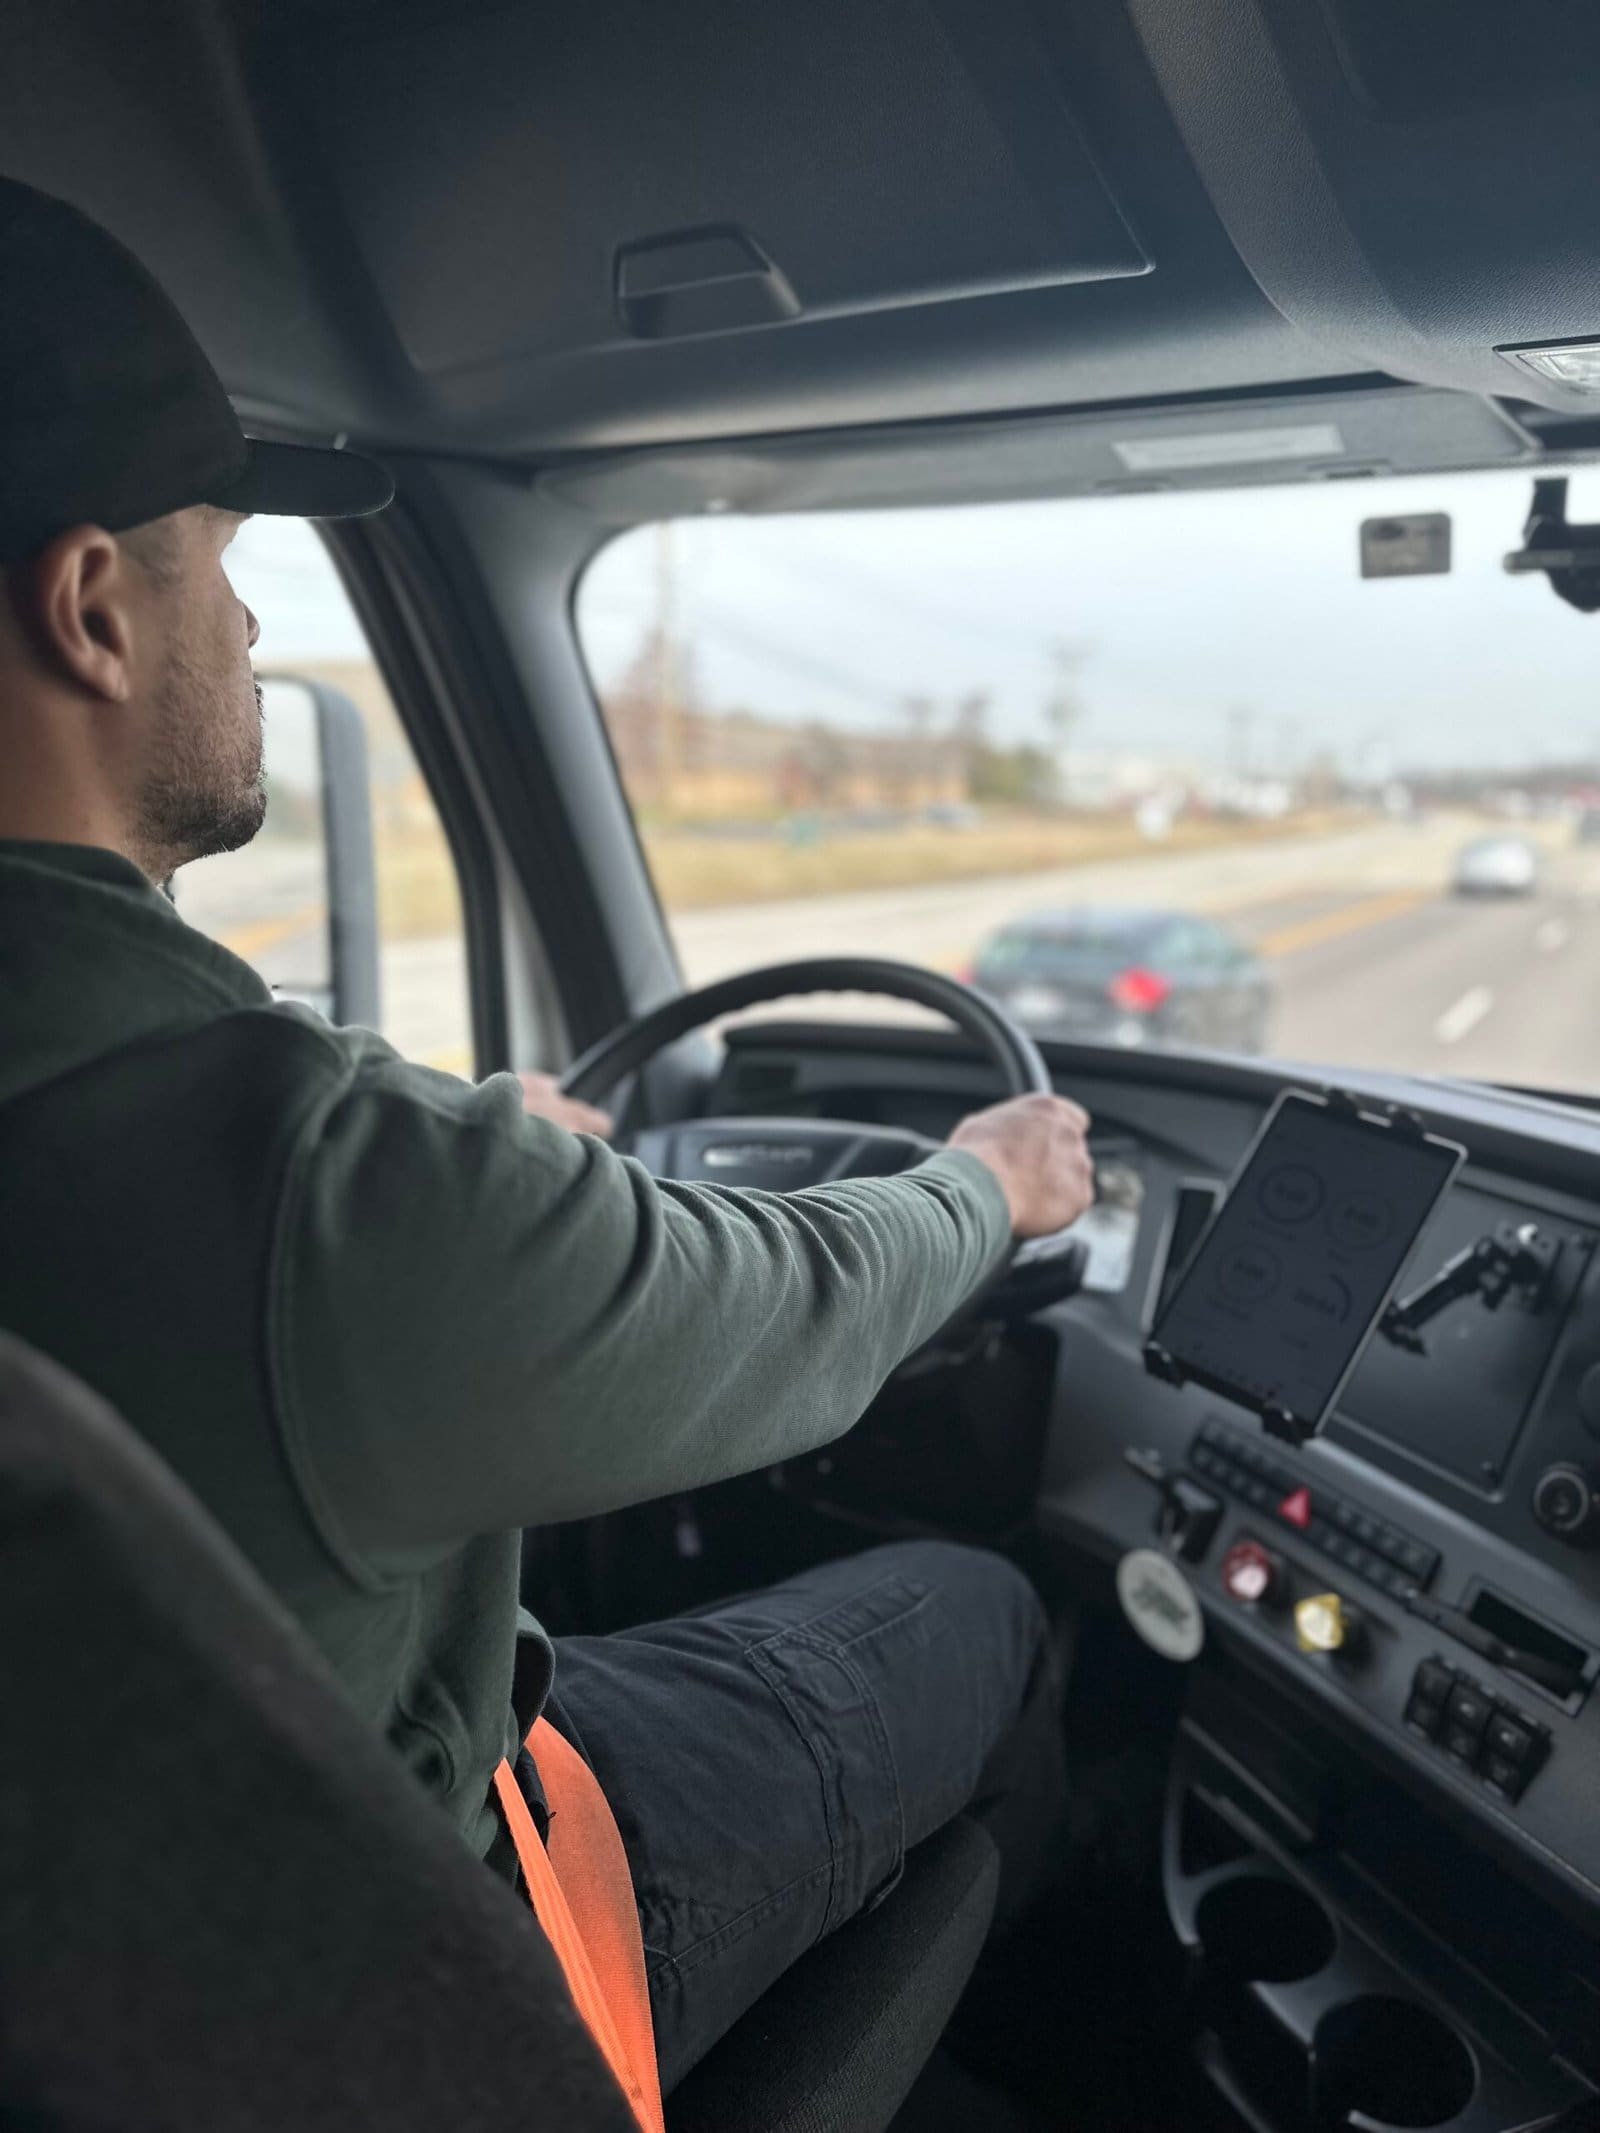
79	598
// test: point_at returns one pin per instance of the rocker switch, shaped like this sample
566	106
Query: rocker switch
1187	1515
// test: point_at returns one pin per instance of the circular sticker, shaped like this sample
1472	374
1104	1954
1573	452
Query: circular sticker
1161	1604
1360	1220
1291	1193
1250	1274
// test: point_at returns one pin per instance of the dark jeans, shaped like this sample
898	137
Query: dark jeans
771	1759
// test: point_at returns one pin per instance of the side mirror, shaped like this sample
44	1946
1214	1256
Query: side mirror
301	901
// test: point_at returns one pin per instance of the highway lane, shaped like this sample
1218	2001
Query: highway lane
941	923
1504	991
1375	962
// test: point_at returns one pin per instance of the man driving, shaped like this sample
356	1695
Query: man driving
379	1319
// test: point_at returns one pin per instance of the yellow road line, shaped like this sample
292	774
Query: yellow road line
263	933
1332	925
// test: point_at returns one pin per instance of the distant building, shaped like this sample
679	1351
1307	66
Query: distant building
1111	779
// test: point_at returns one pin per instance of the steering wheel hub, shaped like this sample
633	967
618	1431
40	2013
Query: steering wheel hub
776	1154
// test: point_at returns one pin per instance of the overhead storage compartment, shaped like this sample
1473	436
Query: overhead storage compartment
524	183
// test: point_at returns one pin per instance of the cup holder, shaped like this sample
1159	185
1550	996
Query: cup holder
1254	1928
1391	2060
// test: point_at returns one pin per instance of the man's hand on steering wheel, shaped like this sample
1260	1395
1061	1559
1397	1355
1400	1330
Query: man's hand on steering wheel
542	1098
1038	1147
1034	1142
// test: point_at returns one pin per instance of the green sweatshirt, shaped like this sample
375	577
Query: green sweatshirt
379	1319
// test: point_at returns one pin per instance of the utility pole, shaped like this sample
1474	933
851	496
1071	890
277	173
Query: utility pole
918	712
970	727
1063	706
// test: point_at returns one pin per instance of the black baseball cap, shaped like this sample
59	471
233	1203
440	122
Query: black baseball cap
110	413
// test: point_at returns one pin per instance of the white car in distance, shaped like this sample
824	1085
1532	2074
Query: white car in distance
1496	866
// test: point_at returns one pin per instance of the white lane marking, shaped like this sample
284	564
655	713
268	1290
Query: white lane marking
1467	1013
1554	933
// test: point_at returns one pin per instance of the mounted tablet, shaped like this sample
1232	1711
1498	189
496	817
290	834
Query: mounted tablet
1295	1269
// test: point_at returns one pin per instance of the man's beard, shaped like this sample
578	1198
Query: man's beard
206	792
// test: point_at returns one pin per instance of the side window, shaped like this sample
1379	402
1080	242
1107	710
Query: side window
347	898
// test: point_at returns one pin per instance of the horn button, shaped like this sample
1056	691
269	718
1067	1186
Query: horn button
777	1154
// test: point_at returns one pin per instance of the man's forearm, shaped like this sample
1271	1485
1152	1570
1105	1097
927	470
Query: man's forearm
490	1323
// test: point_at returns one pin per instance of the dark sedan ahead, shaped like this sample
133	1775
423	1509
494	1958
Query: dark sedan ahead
1134	977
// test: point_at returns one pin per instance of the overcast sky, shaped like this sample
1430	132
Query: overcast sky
1185	608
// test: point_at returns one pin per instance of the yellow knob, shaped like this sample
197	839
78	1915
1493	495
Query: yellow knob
1319	1623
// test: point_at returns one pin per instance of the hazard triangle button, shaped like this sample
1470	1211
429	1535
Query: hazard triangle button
1296	1508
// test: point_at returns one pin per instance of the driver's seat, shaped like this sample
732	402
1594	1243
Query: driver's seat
223	1902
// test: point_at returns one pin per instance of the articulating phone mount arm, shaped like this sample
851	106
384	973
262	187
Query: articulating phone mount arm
1516	1258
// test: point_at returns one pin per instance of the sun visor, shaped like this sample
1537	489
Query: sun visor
647	172
1381	430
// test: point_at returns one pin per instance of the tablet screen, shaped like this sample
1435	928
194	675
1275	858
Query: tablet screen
1299	1261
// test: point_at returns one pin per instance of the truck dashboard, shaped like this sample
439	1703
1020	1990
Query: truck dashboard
1397	1631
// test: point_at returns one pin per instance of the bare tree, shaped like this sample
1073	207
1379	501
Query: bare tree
970	726
919	713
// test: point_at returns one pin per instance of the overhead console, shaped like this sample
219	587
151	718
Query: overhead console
1399	180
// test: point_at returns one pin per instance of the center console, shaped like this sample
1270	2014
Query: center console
1427	1566
1346	1965
1382	1848
1383	1843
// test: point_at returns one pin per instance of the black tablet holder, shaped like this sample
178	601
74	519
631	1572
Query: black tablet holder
1187	1232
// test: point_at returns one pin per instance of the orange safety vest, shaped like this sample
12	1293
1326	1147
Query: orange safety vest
582	1895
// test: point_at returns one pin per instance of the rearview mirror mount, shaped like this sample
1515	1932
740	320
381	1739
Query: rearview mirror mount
1568	555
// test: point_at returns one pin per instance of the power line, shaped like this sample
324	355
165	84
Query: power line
884	591
717	623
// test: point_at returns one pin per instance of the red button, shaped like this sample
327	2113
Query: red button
1250	1575
1296	1508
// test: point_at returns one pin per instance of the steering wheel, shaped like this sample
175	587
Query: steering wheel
780	1153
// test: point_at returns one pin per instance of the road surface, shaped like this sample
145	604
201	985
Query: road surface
1376	963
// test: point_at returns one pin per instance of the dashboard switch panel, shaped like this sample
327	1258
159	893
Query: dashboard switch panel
1384	1555
1187	1516
1501	1746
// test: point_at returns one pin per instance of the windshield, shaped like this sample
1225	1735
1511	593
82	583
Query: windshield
1026	743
